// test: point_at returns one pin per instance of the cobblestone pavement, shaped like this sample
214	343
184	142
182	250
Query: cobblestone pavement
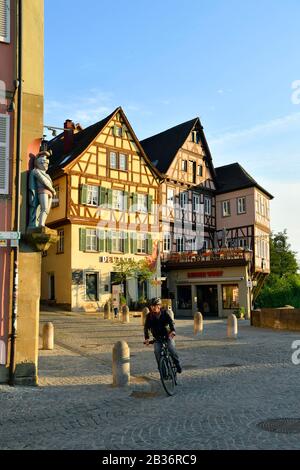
226	389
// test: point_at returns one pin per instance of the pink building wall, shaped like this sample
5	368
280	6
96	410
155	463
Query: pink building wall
7	77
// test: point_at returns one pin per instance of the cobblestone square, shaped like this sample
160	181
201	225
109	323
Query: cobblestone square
227	389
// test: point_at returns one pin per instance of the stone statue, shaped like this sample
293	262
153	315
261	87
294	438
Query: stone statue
41	191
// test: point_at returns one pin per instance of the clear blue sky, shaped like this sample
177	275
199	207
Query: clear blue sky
231	62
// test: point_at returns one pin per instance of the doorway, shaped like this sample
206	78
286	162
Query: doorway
51	286
207	300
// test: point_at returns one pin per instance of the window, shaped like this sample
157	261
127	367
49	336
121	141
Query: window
184	165
117	131
184	297
91	240
55	200
241	205
4	20
61	241
4	153
180	244
92	286
205	245
183	198
122	162
207	206
113	160
92	195
141	243
243	243
200	170
196	203
196	137
226	208
167	242
230	294
117	242
170	197
118	200
142	203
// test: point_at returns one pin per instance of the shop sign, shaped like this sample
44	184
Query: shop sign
112	259
10	235
205	274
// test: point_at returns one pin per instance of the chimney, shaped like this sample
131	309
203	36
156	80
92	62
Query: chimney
68	135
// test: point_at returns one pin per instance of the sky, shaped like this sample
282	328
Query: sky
234	64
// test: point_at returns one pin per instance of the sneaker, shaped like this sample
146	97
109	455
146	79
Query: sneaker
179	369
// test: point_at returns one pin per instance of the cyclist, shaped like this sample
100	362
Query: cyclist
161	325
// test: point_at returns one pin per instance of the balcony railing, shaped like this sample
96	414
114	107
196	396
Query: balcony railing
224	254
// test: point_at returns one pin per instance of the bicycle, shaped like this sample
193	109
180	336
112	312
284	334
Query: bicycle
167	368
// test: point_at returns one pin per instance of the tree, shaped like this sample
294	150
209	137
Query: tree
283	285
128	269
283	259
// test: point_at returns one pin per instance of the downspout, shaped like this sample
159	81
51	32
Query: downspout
13	336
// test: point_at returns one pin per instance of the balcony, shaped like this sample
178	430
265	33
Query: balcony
213	258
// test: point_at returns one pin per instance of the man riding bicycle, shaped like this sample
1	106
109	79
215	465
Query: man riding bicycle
161	325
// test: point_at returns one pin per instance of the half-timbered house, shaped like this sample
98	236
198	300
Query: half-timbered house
215	225
107	192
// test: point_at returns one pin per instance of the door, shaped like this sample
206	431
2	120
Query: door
51	287
207	299
91	287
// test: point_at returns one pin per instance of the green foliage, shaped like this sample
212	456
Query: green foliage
283	285
239	312
128	269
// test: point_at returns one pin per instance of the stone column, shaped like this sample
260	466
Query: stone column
48	336
198	323
121	364
144	314
125	314
232	326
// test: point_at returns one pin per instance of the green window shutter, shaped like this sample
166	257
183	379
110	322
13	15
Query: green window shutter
101	240
150	201
126	242
109	197
149	244
133	243
126	200
82	239
83	194
134	201
102	196
108	242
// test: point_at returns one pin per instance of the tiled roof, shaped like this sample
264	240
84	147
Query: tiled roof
234	177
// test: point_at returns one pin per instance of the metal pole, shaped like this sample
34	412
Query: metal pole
13	335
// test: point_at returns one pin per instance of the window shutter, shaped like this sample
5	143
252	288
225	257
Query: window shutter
5	20
101	240
110	197
109	242
102	194
134	202
4	153
126	242
82	239
149	244
133	243
126	197
150	200
83	194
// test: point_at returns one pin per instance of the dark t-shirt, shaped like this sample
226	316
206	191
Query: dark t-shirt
160	326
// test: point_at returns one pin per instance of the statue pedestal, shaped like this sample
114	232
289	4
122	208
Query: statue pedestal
40	238
33	242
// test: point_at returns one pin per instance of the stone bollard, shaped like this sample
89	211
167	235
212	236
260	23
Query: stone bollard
107	311
144	314
232	326
121	364
170	312
125	314
198	323
48	336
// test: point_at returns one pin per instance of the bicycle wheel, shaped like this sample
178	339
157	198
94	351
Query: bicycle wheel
167	375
